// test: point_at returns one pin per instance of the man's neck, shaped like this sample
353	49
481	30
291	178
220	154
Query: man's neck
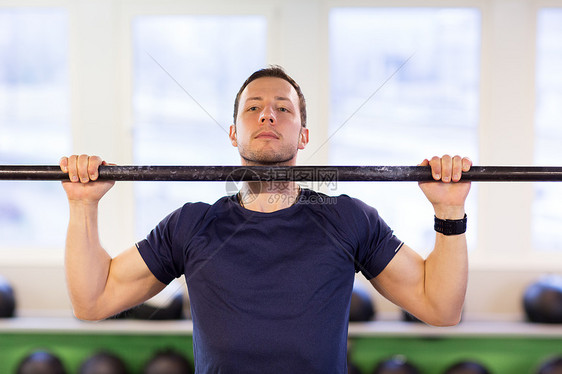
267	197
271	196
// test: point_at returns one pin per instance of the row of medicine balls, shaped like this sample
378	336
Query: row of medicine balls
162	362
542	302
399	365
169	305
172	362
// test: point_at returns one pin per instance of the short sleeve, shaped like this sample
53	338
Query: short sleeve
159	252
377	244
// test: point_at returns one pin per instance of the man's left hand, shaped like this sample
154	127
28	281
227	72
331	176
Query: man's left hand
449	192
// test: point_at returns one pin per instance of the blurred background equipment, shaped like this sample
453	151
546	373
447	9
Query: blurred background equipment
542	300
551	366
396	365
170	304
41	362
362	306
168	362
103	363
7	299
467	367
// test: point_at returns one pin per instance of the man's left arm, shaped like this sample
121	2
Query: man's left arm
434	289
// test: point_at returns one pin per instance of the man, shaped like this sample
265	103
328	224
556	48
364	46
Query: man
270	270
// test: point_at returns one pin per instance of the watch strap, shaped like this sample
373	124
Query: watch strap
450	226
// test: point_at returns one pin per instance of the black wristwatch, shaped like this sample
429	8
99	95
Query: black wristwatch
450	226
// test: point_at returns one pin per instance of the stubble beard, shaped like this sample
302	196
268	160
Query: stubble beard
268	158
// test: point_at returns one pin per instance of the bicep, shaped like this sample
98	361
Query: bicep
130	282
402	280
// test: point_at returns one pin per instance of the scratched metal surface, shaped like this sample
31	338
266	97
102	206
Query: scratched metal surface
280	173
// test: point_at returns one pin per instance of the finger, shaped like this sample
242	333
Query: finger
457	168
446	168
72	170
82	166
424	162
94	163
466	164
435	164
63	163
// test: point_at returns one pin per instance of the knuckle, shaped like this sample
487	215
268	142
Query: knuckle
83	159
63	163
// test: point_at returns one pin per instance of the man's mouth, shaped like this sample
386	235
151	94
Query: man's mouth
267	135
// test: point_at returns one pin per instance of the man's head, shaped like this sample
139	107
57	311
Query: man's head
273	71
269	124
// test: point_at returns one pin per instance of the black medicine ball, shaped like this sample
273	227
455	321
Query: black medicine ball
168	362
361	308
41	362
7	299
552	366
407	317
467	367
167	308
103	363
542	300
395	365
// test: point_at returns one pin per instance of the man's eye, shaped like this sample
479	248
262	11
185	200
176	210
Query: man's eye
283	109
252	109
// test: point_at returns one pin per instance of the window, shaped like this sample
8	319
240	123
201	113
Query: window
34	122
187	71
405	89
547	210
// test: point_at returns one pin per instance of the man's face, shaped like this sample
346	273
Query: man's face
268	128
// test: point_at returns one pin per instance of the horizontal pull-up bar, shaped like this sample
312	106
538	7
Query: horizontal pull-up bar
286	173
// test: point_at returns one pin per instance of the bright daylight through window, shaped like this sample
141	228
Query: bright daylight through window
406	89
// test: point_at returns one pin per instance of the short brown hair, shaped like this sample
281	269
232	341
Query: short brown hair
273	71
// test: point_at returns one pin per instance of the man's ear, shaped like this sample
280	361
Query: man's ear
232	135
303	138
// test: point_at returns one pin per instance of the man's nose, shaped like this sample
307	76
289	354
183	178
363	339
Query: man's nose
267	116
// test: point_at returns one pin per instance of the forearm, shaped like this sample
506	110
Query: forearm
446	273
434	289
86	262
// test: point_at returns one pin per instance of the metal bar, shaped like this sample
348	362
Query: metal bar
280	173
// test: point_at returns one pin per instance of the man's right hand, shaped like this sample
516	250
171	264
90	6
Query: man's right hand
99	286
81	171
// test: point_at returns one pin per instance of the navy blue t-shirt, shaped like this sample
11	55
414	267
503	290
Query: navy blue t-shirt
270	292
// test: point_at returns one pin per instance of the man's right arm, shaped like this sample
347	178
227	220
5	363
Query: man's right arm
99	286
